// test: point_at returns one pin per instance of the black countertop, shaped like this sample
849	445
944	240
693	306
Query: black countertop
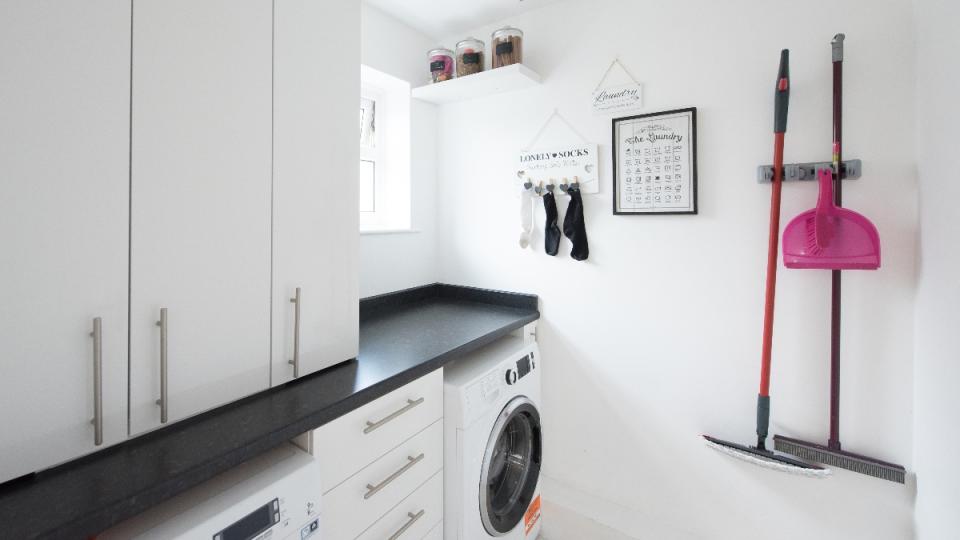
403	336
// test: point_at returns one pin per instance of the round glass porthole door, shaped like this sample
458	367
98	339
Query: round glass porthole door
511	467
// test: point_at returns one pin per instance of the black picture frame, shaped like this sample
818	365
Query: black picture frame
694	207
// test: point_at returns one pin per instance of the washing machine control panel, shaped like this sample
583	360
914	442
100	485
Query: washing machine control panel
521	369
489	389
484	392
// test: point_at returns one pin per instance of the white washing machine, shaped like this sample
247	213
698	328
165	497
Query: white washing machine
493	443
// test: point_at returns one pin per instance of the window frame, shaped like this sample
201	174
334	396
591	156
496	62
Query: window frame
391	153
367	153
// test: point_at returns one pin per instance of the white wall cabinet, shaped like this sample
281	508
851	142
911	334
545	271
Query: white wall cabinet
200	205
196	158
316	239
64	112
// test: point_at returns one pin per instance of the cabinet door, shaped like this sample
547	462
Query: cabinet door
316	145
64	112
200	204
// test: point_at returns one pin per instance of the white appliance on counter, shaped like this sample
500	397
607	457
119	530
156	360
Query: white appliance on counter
493	443
274	496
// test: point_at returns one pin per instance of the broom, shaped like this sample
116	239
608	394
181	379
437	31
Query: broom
759	454
831	454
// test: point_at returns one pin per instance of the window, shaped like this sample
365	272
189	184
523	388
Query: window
368	185
368	154
384	152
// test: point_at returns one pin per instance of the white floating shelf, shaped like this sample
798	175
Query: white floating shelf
485	83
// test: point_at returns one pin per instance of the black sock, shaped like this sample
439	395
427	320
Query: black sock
551	232
573	226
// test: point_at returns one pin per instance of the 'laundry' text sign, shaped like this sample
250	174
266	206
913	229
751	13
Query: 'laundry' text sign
618	98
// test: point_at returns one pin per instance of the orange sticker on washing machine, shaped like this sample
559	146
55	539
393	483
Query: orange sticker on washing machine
532	516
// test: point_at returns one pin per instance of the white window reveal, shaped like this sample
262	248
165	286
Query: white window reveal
384	152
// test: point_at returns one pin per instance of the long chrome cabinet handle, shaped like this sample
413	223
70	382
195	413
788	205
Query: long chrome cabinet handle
411	461
163	402
411	403
97	422
413	519
296	334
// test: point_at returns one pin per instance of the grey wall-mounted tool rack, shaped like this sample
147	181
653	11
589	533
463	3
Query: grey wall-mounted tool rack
851	170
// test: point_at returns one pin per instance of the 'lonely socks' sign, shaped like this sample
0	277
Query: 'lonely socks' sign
562	163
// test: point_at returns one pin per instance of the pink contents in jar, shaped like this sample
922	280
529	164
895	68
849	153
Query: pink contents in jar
441	64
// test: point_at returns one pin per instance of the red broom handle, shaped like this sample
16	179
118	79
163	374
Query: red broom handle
773	251
781	104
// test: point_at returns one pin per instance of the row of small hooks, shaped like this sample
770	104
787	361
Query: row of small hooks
540	189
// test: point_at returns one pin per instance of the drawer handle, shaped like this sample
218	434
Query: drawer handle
373	490
413	519
411	403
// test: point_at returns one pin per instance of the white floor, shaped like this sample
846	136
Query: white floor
561	523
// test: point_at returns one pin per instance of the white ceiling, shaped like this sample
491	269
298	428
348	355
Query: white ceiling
444	18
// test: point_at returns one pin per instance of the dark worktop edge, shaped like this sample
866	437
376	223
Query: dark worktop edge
130	504
203	472
382	304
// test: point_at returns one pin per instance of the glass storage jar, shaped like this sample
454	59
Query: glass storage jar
469	57
506	46
441	64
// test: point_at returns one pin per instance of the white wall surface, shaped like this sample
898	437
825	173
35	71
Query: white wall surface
395	261
937	370
656	338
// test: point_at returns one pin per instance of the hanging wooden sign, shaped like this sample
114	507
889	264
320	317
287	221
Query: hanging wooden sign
563	162
622	97
614	98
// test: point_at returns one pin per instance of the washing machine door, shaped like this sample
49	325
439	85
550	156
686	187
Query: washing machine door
511	466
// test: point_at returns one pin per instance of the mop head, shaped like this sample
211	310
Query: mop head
766	459
838	458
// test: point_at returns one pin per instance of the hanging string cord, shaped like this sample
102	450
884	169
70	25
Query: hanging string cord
555	115
616	62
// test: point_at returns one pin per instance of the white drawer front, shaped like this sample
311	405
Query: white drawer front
349	443
414	518
354	505
435	533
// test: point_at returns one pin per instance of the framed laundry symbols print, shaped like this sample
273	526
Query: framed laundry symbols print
655	163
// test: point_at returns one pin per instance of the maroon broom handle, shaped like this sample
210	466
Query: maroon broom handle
834	442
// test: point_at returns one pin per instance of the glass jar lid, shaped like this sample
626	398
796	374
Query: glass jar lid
507	31
470	43
440	51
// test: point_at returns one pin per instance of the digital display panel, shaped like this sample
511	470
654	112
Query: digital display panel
252	524
523	366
